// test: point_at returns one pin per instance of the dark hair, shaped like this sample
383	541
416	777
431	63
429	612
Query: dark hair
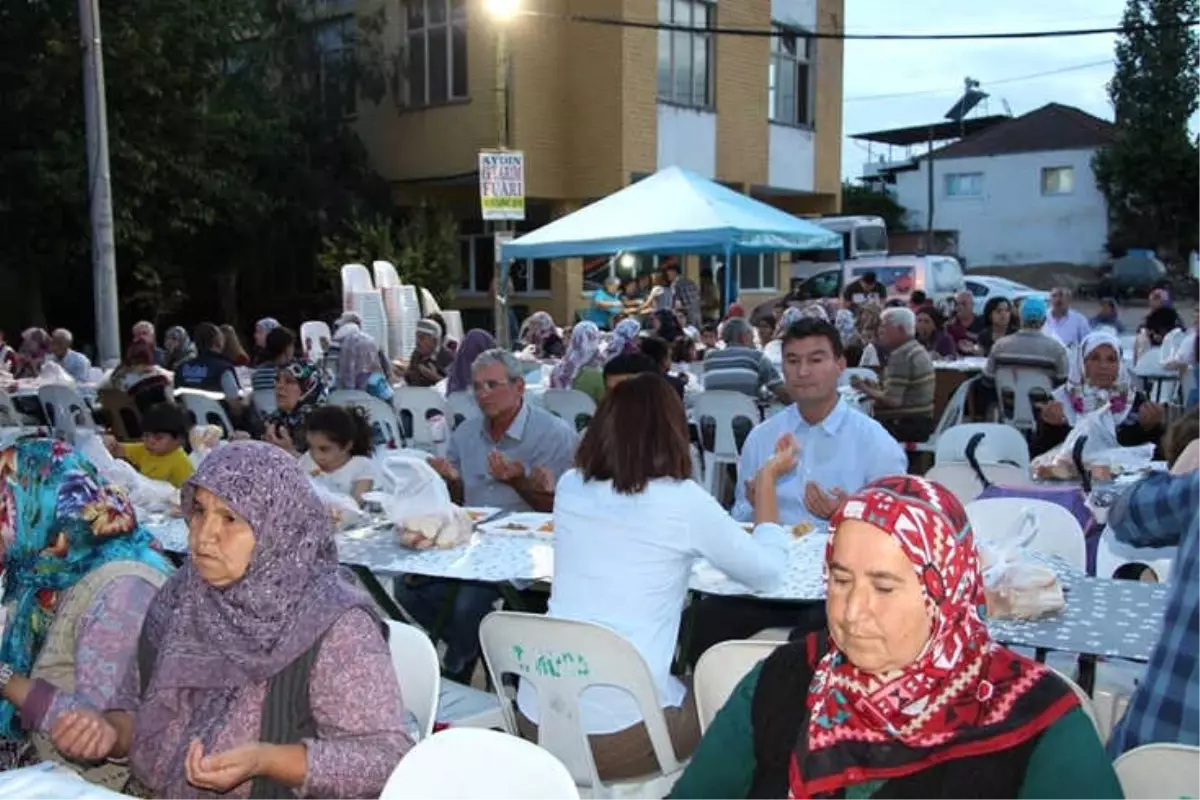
655	349
765	319
930	310
630	364
869	276
436	317
811	327
343	426
207	335
139	353
992	304
709	327
683	351
1181	433
278	341
918	297
639	433
166	418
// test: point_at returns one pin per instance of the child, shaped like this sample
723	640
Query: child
339	450
160	455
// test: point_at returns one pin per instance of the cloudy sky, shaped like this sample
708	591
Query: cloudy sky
928	76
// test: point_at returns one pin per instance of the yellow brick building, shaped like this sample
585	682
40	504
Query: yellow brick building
594	107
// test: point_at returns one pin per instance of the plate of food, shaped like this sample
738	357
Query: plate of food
797	530
525	523
480	514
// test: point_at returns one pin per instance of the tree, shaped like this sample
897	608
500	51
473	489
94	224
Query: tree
857	199
1149	174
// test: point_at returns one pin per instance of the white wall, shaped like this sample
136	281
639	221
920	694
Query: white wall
791	158
688	138
1011	222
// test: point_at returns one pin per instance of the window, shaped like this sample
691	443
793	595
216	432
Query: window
335	65
685	57
790	77
477	254
757	272
436	65
1057	180
964	184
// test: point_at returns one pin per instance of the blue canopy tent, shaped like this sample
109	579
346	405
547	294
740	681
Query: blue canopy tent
672	211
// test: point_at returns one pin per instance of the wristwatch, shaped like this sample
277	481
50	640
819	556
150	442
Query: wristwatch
6	673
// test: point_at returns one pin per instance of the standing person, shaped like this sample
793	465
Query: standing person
75	363
710	298
685	294
1064	323
904	404
233	349
429	361
143	331
177	348
606	304
865	288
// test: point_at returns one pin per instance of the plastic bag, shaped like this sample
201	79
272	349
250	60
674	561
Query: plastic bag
342	507
419	504
146	494
1059	463
204	439
1015	586
52	372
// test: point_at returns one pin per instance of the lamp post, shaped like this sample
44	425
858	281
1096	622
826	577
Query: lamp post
502	13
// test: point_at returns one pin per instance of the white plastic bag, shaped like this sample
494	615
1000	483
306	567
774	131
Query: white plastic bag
342	507
52	372
204	439
419	504
1059	463
1015	586
156	497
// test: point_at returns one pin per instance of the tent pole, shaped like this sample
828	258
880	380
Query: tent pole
728	278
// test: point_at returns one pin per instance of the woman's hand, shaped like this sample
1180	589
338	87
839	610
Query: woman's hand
1052	413
278	436
1151	416
84	735
223	772
783	461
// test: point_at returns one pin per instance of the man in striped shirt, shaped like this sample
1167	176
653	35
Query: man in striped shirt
904	404
741	367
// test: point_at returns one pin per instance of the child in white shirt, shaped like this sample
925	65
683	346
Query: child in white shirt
339	450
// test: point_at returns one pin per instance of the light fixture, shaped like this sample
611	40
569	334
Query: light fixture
503	10
628	261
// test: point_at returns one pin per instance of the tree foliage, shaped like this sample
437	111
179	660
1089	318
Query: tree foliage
1149	175
858	199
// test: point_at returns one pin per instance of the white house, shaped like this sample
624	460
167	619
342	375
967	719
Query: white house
1018	192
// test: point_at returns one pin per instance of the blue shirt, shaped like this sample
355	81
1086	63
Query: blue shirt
1161	511
76	365
846	451
603	317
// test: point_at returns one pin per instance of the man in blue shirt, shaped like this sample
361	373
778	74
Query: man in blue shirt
606	303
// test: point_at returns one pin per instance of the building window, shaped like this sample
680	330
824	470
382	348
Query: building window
1058	180
477	254
685	58
335	65
964	184
790	77
757	273
436	64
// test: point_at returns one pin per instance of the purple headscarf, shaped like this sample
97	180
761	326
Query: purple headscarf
584	351
624	338
473	345
357	361
211	641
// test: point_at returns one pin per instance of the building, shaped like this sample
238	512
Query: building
596	106
1014	190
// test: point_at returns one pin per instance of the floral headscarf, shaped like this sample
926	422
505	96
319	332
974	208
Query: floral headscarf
313	391
844	322
793	314
583	351
866	322
1078	397
179	347
624	338
537	329
964	694
474	344
48	489
357	362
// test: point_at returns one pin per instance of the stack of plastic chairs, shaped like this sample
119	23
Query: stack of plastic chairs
360	296
390	290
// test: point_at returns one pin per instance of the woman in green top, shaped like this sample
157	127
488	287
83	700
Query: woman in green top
907	695
581	368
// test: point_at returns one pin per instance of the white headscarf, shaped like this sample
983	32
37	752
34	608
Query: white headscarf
1079	398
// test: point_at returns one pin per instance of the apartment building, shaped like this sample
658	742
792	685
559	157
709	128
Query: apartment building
594	107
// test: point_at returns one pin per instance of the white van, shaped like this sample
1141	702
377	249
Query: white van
940	277
863	236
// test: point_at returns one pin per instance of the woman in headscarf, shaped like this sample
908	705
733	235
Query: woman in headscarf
79	575
540	333
624	338
178	347
665	325
359	368
473	345
1097	375
261	670
299	388
35	346
907	694
581	368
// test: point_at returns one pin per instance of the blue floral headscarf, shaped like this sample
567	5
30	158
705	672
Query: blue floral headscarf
47	489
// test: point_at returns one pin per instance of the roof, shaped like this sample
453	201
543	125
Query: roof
920	134
1051	127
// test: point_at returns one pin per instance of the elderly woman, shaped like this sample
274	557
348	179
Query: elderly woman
35	347
178	347
79	576
907	695
359	368
624	339
299	388
582	367
931	333
1097	376
261	670
540	333
474	344
137	372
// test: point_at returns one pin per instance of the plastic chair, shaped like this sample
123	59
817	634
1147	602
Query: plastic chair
315	338
355	278
1058	533
429	304
205	408
461	406
563	658
385	274
723	408
418	671
124	418
65	410
571	405
1114	557
416	406
1000	444
463	706
865	373
9	416
384	423
952	415
1085	702
473	763
1150	370
264	400
719	671
1021	381
963	482
1159	770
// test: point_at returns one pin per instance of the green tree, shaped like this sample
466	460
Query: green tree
1149	174
858	199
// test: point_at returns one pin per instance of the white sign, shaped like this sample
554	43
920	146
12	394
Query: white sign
502	184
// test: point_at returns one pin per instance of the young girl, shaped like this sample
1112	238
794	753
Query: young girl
339	450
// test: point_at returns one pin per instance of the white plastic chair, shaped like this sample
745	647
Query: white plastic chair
415	660
569	405
264	400
454	326
1113	556
963	483
206	408
65	410
998	519
719	671
381	416
865	373
1000	443
1020	381
952	415
355	278
1159	770
461	406
385	274
429	304
532	647
723	407
473	763
463	706
315	338
421	403
9	416
1150	370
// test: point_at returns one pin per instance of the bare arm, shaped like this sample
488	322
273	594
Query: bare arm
537	498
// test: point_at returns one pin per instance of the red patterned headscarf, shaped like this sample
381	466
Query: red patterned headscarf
963	696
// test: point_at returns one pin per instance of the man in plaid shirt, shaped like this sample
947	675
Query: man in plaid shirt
686	293
1162	511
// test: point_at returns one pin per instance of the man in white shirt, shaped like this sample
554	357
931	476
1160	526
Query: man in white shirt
75	363
1065	323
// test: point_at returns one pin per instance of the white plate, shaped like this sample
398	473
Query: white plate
481	514
524	523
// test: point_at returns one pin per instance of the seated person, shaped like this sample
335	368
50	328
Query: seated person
580	369
1098	376
904	404
905	694
299	389
539	334
931	333
340	444
361	369
637	505
621	368
1000	322
278	349
917	299
430	361
73	362
138	375
159	455
1107	316
684	351
658	351
741	367
966	326
708	336
212	371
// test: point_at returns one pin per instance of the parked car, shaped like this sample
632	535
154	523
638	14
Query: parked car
940	277
985	287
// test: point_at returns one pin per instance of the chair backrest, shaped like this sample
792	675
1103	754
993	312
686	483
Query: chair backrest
355	278
416	406
952	414
1159	770
963	483
9	416
124	418
724	407
264	400
461	406
205	408
1170	343
385	426
720	669
1112	557
369	306
385	274
454	326
315	339
1020	381
998	519
571	405
1085	703
429	304
475	762
561	658
865	373
1000	443
415	660
65	410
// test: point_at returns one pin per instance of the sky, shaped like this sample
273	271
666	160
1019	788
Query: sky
936	69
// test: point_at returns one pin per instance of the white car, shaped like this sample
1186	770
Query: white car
985	287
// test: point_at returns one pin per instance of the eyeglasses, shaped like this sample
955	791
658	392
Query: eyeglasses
487	387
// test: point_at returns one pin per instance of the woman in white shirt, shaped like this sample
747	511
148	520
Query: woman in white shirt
629	523
339	450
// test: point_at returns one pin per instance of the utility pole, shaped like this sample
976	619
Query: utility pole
500	228
104	263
